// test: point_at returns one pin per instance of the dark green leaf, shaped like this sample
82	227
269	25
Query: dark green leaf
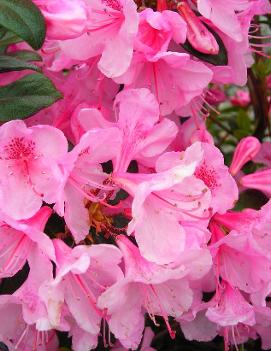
3	31
251	199
26	96
9	38
240	133
24	19
243	121
10	63
221	59
26	55
120	195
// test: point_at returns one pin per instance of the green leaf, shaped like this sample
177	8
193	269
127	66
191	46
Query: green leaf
10	63
3	31
240	133
24	19
251	199
26	96
243	121
221	59
26	55
8	39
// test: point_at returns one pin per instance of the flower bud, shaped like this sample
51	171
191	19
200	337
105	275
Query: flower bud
245	151
197	34
241	98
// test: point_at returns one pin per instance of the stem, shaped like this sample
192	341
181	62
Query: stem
258	95
216	121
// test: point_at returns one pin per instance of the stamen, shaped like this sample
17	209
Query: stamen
147	304
88	196
261	53
172	333
24	333
209	105
84	180
30	180
186	212
234	339
109	338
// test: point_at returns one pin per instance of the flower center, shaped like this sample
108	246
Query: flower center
114	4
19	148
207	175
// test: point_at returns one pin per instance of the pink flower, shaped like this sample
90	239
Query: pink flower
259	180
29	170
235	72
33	308
81	340
144	138
200	328
147	287
83	176
224	17
239	260
236	220
65	19
27	325
111	30
215	175
19	335
260	230
213	172
21	239
191	132
231	308
172	77
264	156
156	30
82	275
161	200
145	346
83	85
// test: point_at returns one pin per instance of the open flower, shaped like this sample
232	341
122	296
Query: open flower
29	169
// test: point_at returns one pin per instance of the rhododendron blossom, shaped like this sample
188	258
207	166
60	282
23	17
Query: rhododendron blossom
29	164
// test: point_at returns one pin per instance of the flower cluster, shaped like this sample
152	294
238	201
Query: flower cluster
115	202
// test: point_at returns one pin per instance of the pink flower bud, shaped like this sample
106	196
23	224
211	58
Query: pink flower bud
241	98
260	180
197	34
245	151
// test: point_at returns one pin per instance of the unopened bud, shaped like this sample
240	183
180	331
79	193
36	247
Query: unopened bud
245	151
197	34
